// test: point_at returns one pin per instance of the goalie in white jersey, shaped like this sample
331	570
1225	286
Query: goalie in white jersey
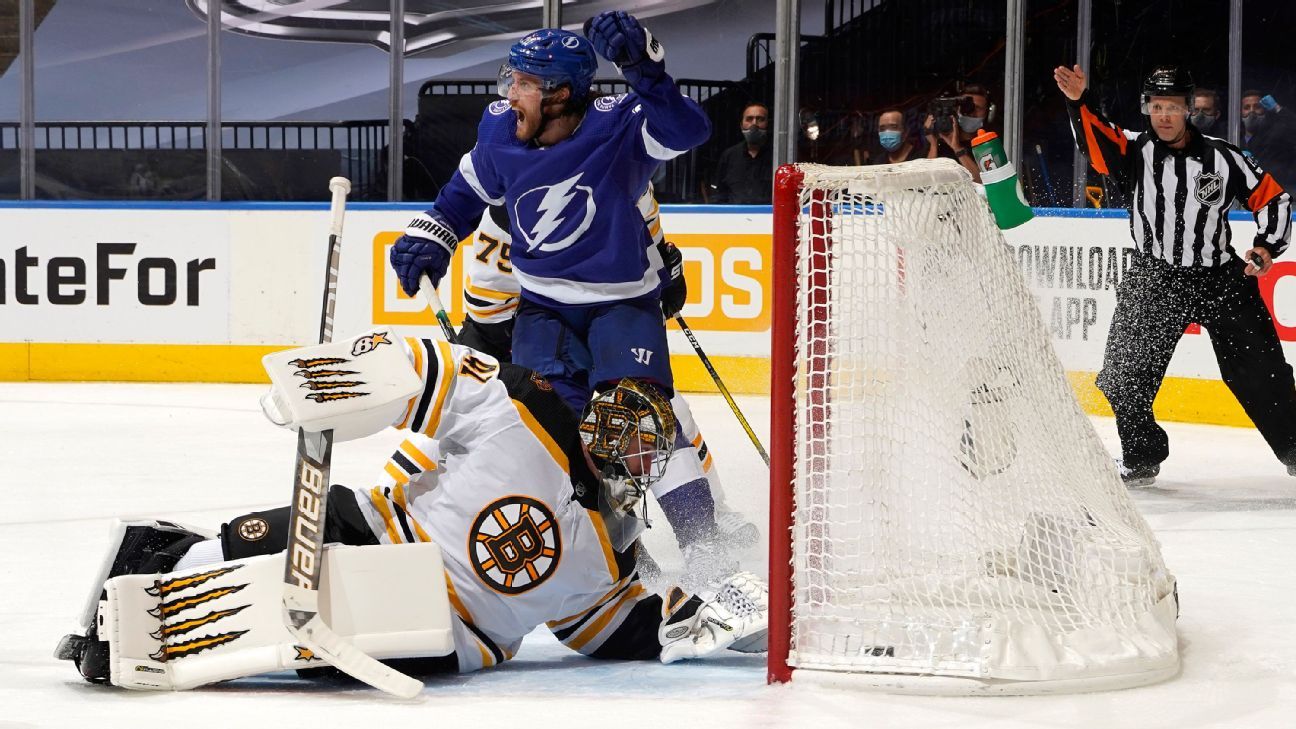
536	515
690	493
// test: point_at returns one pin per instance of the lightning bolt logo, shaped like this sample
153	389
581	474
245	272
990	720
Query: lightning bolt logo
555	199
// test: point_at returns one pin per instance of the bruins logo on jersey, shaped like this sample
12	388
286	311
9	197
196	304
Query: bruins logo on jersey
515	544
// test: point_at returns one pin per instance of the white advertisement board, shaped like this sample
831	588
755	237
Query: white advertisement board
1073	266
252	275
116	275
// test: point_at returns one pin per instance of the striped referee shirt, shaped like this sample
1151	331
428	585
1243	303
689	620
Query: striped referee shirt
1181	197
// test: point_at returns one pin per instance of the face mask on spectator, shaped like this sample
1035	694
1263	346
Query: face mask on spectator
1253	122
970	124
755	136
1203	121
890	140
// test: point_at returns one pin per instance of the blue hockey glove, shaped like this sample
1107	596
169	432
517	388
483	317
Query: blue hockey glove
426	247
675	292
618	37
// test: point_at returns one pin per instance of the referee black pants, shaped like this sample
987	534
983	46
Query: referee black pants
1154	303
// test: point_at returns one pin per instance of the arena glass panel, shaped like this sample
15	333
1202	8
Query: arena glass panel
1127	46
11	60
121	94
1268	128
304	98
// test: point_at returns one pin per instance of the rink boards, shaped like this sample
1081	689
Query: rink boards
200	291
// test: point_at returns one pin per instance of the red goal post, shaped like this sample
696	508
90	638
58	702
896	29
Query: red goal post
943	517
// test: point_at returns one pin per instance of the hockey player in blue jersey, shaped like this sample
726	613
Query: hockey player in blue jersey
569	169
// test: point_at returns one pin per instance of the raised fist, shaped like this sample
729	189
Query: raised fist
617	36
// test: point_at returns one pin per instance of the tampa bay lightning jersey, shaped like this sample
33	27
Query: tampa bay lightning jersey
578	237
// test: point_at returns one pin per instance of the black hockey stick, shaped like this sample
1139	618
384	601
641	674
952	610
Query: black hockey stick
434	300
305	559
706	362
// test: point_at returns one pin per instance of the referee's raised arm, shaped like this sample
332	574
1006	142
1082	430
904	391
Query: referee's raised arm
1103	143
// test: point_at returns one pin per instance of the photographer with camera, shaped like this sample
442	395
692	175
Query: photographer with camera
952	121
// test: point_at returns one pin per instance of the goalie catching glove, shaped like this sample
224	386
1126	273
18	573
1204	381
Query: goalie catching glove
618	37
427	247
737	619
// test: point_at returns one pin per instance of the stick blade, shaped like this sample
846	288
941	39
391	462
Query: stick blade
336	651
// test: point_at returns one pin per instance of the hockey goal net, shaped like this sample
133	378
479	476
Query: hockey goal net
944	518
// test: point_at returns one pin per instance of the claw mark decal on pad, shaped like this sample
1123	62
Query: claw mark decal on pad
185	626
316	374
317	362
324	390
166	587
190	647
332	396
331	384
168	609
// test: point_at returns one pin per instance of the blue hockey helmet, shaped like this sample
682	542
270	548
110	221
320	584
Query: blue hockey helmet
554	55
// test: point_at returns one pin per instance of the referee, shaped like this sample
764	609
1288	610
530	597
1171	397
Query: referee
1181	184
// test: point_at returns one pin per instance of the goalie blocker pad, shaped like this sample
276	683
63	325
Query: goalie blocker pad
224	621
355	387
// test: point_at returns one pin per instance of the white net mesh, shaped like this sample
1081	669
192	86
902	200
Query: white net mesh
955	513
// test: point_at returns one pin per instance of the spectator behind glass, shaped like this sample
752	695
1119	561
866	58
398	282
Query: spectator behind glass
897	145
745	172
1206	113
973	112
1269	133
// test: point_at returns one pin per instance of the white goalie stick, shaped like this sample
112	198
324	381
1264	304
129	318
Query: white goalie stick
309	510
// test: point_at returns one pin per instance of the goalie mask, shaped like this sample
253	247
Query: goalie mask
629	432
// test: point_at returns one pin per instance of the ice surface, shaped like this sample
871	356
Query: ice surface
73	456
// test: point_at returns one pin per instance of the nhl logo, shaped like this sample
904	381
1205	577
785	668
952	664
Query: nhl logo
1210	188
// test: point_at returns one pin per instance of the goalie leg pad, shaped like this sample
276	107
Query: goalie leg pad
135	546
187	629
266	532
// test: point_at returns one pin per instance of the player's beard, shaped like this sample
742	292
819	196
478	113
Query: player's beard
528	123
531	122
